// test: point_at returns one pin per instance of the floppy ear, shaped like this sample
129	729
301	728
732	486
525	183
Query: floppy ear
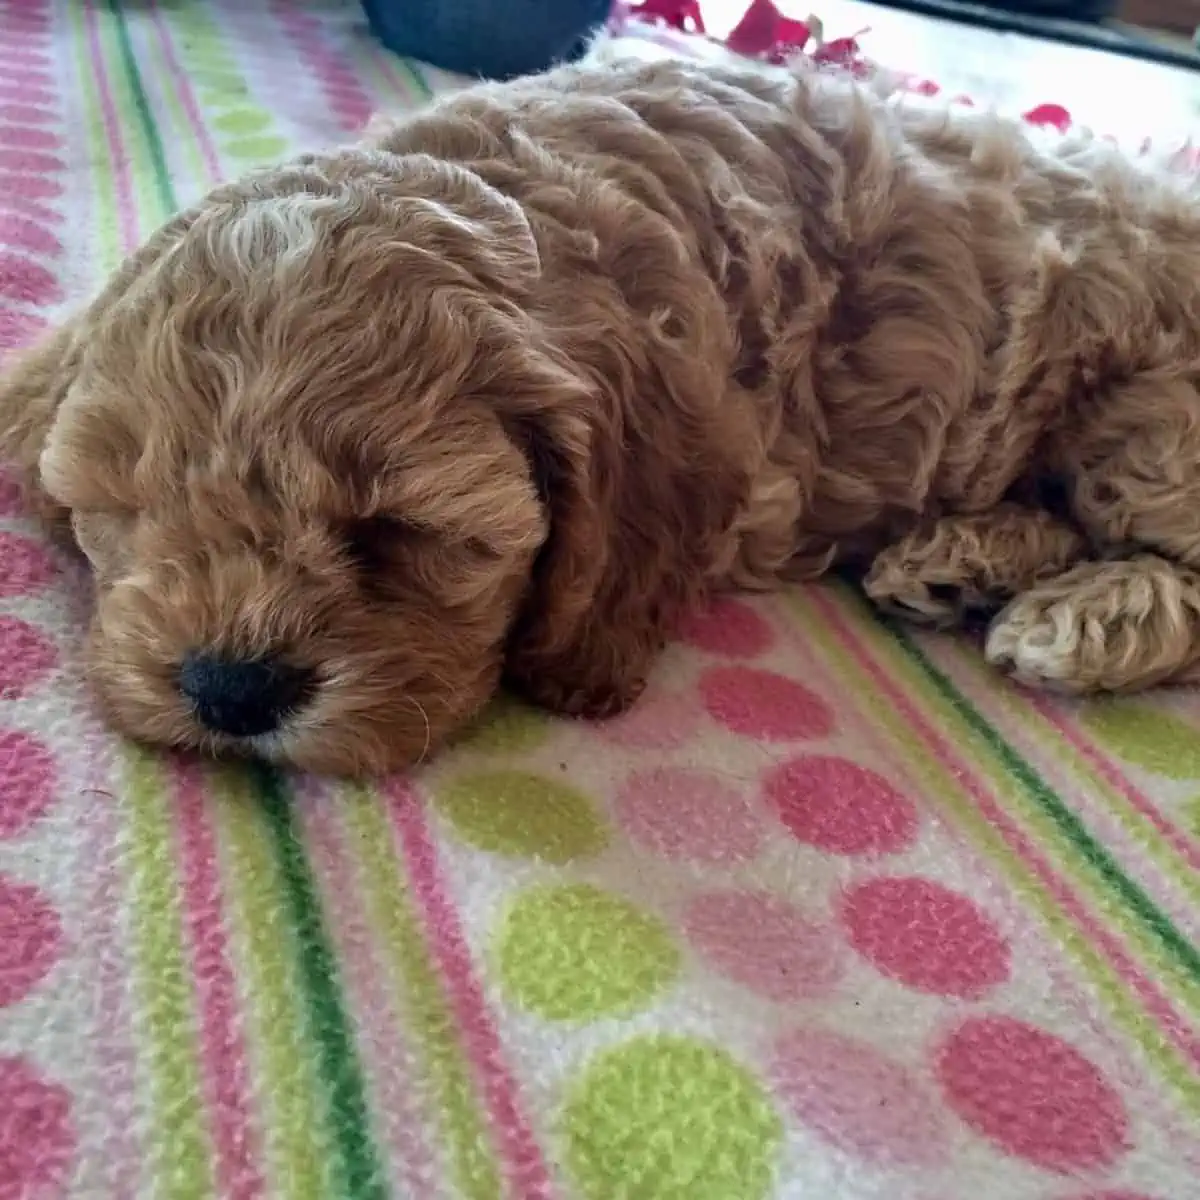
31	389
34	384
635	530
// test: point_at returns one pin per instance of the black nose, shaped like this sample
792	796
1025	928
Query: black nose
243	697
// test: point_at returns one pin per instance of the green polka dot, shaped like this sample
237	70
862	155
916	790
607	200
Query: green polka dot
243	120
1146	736
673	1118
506	726
257	148
513	812
222	98
210	57
1191	815
577	953
217	80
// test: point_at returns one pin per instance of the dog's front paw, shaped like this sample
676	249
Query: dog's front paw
897	586
1102	627
953	570
1041	641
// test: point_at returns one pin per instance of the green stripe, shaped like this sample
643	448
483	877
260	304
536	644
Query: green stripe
286	1078
181	124
472	1162
146	192
392	75
414	72
1072	830
362	1173
103	185
1140	829
945	786
162	177
360	1170
179	1150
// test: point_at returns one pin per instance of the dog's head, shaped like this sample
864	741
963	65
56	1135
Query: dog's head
292	439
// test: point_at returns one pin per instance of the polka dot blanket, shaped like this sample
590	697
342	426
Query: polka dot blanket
833	914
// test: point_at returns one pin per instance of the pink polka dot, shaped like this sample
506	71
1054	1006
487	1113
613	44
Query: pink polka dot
764	705
1053	115
23	234
840	807
30	936
30	162
21	16
24	137
23	55
1032	1094
21	94
29	187
25	567
24	280
28	60
25	76
763	943
30	208
858	1099
26	781
338	79
27	114
690	815
29	24
18	329
352	112
1110	1195
25	656
926	936
658	721
37	1141
729	627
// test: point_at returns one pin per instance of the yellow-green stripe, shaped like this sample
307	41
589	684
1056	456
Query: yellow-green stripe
946	789
146	184
1139	828
180	1150
287	1081
104	188
472	1162
1128	908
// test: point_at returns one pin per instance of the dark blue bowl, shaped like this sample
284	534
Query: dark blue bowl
492	39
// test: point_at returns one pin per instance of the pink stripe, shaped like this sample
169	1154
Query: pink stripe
1116	779
223	1054
21	93
1153	1000
387	1059
30	208
401	83
347	99
526	1170
187	98
113	1157
109	972
126	207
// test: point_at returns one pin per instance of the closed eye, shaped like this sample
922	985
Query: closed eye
373	544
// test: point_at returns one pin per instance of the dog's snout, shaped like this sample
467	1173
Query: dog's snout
242	697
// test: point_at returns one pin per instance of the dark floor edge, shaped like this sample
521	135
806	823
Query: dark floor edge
1092	37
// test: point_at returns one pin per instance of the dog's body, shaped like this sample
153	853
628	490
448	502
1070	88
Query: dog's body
512	389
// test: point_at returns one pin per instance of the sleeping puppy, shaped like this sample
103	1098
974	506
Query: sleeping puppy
504	392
